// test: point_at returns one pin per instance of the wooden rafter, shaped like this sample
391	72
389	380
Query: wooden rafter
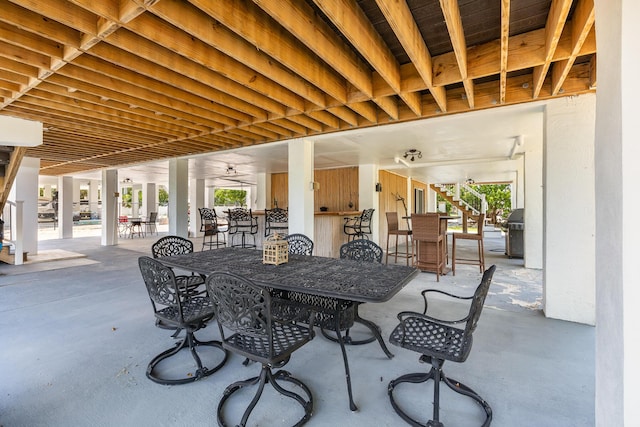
121	81
405	28
505	13
555	25
352	22
583	19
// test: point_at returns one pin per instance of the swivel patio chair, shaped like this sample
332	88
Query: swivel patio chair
394	230
299	244
179	310
176	245
209	225
276	220
242	222
361	250
438	340
245	309
477	237
359	227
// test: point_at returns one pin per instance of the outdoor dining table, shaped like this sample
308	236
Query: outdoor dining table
321	276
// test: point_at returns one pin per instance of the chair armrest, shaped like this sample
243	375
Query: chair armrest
403	316
426	304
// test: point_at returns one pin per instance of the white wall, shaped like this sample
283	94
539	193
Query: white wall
569	247
617	171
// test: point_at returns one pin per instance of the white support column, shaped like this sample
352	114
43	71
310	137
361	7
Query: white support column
26	190
569	293
617	155
179	197
368	197
301	215
196	200
109	215
76	194
65	207
136	209
263	190
94	195
533	209
149	198
210	199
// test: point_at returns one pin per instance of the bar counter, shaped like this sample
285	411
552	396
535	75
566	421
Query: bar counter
329	234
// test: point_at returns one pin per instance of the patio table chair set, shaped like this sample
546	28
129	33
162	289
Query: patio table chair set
268	325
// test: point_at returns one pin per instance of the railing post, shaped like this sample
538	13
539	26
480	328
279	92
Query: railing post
19	240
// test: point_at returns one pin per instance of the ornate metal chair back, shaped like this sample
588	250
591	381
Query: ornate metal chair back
241	307
161	285
171	245
361	250
299	244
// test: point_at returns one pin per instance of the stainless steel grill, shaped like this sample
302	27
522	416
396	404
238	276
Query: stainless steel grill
514	241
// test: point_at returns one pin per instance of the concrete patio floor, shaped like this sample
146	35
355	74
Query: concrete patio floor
77	335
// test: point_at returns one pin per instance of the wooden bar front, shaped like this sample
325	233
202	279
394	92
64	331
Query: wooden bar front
427	251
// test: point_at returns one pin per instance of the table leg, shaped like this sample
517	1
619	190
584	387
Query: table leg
352	404
376	333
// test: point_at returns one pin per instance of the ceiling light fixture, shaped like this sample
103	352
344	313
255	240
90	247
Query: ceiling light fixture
412	153
231	170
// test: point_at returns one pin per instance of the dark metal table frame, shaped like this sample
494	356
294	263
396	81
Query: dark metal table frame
330	277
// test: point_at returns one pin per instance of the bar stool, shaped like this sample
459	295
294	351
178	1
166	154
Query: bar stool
393	230
210	227
426	232
242	221
478	237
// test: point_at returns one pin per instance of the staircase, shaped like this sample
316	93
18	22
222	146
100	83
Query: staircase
474	205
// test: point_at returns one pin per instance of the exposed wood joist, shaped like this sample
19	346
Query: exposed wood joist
122	81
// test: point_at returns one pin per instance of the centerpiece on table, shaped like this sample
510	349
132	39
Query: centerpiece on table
275	250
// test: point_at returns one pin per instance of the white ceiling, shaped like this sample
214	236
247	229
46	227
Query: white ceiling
454	148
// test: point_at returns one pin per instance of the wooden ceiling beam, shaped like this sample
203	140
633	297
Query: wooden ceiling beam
143	98
118	108
353	24
505	13
184	75
166	36
97	111
404	26
144	83
583	19
452	18
553	31
301	20
252	24
197	24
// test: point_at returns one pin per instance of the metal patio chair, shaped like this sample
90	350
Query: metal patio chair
180	310
247	327
438	340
